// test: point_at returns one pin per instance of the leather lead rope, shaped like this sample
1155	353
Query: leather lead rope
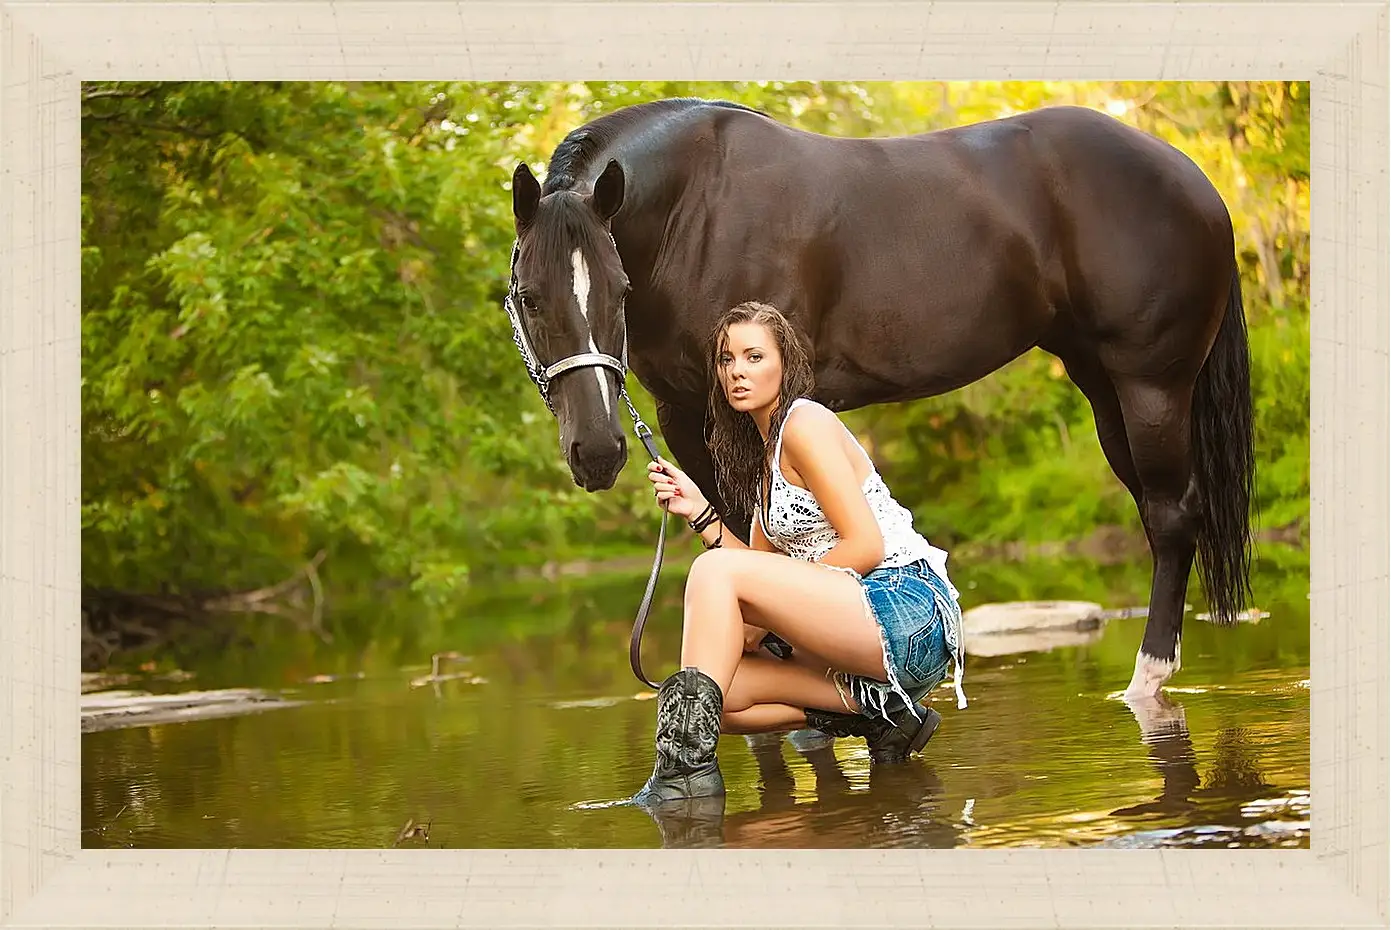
640	621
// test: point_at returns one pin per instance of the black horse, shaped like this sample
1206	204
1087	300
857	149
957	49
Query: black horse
913	266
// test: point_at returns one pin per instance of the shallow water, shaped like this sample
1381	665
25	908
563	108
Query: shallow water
545	717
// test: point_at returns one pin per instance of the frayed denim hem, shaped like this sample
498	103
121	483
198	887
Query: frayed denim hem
873	695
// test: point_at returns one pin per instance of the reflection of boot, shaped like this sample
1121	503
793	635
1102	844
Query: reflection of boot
690	823
806	739
908	797
888	742
775	781
689	704
830	780
918	782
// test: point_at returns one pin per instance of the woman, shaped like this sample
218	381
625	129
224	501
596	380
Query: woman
864	600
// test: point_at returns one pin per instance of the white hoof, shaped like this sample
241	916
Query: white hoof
1150	676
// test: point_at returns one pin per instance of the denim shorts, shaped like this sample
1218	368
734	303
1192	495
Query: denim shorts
913	608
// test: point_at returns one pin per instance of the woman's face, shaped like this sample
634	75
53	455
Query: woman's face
751	367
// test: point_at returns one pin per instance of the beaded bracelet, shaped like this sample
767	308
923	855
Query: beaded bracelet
707	516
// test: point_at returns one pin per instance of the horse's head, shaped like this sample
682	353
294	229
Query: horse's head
566	301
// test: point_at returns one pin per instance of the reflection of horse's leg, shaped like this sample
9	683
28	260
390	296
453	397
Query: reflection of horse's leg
1157	425
1159	717
1164	730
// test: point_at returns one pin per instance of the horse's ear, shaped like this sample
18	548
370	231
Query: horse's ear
608	191
526	194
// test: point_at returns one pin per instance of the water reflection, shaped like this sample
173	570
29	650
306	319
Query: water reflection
1164	732
1234	790
897	805
490	727
854	804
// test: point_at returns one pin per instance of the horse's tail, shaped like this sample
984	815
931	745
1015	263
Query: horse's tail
1224	462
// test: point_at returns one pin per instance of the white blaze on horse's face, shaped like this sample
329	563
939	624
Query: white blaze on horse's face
581	280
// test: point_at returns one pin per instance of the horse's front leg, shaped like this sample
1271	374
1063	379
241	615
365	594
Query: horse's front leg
683	428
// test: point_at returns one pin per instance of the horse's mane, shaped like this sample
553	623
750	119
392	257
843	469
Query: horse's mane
568	223
577	151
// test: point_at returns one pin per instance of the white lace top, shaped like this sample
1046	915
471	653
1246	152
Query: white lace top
796	524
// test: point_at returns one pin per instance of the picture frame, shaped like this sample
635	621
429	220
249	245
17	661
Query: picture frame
48	48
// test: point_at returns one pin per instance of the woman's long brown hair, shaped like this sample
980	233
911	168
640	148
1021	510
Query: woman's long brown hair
742	458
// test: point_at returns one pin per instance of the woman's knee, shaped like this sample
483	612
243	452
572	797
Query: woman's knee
713	569
718	563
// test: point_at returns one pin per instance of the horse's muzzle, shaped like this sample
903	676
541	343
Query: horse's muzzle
595	461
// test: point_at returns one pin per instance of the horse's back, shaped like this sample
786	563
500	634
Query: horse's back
1148	237
1086	145
964	247
941	239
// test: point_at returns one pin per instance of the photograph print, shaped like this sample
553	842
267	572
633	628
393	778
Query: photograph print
783	465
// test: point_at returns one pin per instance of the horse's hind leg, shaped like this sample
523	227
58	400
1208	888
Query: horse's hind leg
1086	371
1156	418
1143	425
1166	517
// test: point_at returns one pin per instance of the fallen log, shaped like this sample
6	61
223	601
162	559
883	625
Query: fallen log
111	710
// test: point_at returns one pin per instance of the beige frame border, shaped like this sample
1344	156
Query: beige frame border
46	879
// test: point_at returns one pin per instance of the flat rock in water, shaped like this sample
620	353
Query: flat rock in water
1018	616
1030	626
110	710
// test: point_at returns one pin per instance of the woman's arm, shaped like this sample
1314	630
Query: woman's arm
814	441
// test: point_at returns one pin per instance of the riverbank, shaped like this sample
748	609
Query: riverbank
1107	545
115	625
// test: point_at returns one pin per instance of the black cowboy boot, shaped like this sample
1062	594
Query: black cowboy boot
888	742
689	704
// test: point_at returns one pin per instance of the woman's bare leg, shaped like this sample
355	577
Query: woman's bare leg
763	718
766	680
811	606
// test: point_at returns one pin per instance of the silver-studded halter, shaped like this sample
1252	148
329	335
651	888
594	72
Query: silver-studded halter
543	375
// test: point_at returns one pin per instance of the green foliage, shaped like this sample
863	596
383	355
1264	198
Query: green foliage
292	338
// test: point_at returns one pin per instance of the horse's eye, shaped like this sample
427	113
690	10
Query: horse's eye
528	304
